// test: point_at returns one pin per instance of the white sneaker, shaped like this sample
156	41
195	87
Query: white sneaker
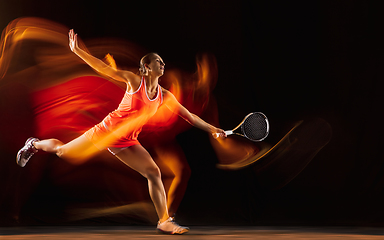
26	152
169	226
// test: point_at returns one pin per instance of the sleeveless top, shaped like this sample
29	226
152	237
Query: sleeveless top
133	112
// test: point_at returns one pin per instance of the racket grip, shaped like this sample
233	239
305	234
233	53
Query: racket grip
216	135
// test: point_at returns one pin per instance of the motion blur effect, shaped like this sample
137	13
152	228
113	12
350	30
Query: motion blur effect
46	91
50	93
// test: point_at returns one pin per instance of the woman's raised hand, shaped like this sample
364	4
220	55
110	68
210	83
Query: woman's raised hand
72	40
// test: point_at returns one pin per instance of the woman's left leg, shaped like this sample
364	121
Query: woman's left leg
137	158
175	172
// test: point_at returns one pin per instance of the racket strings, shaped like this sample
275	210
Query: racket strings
255	127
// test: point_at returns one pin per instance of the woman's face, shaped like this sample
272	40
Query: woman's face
156	66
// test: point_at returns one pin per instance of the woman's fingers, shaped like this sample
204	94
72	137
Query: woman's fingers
218	134
72	39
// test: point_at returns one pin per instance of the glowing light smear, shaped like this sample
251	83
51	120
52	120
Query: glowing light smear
67	97
35	53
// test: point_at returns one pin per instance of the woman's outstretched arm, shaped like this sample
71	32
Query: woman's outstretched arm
172	104
97	64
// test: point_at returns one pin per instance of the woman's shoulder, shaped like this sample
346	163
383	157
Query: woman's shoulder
133	82
165	92
132	78
167	95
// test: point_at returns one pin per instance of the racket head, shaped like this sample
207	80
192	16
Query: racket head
255	126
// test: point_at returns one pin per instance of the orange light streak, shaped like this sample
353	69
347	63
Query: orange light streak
66	98
53	64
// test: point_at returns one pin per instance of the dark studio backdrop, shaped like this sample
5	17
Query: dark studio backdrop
291	60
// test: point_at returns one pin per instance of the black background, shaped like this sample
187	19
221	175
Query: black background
288	59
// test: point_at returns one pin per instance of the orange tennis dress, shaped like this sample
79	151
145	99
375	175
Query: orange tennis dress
126	122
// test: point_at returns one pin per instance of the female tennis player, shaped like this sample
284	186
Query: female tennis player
143	96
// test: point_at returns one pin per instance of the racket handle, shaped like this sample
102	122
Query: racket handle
216	135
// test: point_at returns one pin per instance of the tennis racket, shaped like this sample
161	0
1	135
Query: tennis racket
255	127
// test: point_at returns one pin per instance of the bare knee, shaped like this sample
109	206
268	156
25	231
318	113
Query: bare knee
50	145
59	151
152	173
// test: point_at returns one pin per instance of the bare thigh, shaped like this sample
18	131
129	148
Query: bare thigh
137	158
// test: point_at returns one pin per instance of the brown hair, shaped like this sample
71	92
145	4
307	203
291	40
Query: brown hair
146	60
